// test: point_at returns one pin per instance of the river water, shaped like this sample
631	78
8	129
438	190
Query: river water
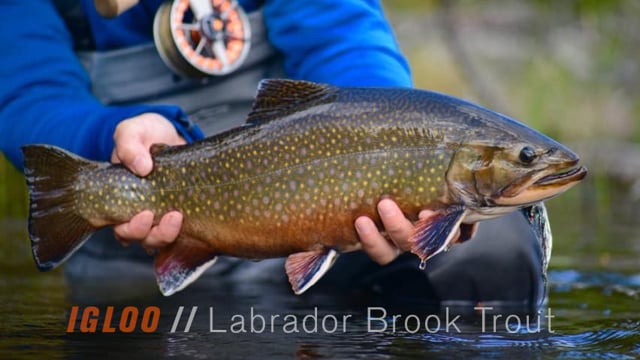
593	308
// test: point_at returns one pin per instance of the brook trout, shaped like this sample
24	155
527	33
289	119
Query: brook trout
291	182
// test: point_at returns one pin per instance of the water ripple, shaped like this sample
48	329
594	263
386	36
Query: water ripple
617	342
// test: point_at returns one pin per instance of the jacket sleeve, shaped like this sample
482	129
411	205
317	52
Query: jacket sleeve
45	93
341	42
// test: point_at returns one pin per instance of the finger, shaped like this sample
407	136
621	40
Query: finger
137	228
131	151
374	244
165	232
397	226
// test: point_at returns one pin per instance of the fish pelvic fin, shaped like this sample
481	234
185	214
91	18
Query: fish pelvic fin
435	234
56	230
306	268
181	263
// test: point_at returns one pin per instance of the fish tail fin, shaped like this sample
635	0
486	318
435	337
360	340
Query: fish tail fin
56	230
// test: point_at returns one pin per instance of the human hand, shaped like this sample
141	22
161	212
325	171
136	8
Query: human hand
133	138
398	228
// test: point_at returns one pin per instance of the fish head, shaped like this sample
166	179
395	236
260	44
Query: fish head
509	164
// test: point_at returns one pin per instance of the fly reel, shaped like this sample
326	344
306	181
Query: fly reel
198	38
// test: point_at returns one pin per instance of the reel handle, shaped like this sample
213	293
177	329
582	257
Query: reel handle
113	8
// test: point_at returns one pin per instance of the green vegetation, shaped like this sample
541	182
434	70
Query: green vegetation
13	191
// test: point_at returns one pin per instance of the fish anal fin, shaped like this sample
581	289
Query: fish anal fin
435	233
279	97
306	268
181	263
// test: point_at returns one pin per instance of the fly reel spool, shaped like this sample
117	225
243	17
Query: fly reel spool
199	38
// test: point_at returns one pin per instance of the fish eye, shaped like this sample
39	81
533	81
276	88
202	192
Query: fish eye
527	155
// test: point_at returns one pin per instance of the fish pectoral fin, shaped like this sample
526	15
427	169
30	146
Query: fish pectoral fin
432	235
306	268
181	263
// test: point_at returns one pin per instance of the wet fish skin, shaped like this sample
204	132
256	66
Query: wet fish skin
311	159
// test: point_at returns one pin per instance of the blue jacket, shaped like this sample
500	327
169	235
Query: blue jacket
45	93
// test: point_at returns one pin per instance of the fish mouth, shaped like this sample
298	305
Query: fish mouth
542	186
572	175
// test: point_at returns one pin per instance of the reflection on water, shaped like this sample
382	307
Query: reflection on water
593	299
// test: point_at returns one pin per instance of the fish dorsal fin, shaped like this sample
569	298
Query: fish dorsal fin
278	97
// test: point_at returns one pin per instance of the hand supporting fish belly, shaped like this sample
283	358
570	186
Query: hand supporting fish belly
310	160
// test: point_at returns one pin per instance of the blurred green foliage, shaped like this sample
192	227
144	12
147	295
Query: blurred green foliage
13	193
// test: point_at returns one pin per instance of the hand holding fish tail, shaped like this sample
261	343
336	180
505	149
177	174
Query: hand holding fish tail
133	138
398	228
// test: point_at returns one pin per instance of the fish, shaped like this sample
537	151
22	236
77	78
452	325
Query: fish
290	182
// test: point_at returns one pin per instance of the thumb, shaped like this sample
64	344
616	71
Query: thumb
142	164
133	154
134	136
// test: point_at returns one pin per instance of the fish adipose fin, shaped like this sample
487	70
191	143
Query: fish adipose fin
277	98
434	234
181	263
55	229
306	268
